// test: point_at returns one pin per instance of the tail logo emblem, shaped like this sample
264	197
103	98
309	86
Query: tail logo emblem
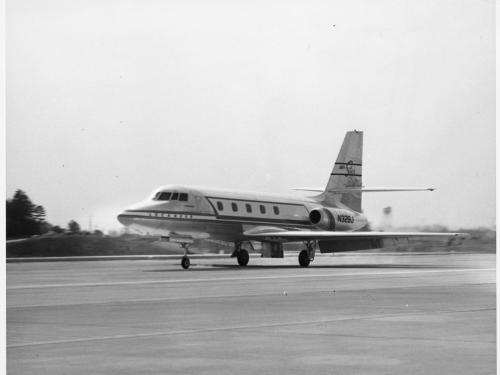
350	168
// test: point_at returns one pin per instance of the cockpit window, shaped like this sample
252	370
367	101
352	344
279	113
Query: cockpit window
167	196
163	196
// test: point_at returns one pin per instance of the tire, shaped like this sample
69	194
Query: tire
185	263
243	257
304	258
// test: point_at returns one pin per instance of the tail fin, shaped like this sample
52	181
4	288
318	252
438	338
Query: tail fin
346	173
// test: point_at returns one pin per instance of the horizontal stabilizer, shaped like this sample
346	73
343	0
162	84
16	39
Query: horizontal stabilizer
365	190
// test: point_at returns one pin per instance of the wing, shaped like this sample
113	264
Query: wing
312	235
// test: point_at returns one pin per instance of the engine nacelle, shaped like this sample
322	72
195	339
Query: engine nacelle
328	218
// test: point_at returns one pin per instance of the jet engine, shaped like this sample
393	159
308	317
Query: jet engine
323	218
328	218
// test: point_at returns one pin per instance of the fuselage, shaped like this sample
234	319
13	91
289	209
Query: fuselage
217	214
331	221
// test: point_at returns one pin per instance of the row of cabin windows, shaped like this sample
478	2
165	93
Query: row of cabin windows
248	207
169	196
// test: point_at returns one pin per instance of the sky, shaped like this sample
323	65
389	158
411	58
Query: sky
106	100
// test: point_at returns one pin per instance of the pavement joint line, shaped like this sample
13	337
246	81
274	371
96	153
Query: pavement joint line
230	328
385	337
273	277
276	294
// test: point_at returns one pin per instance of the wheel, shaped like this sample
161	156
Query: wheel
304	258
243	257
185	263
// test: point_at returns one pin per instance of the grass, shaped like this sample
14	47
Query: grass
91	245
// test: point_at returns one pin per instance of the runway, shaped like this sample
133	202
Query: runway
347	314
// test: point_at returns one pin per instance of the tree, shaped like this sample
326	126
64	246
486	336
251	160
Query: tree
23	218
39	213
20	206
74	227
57	229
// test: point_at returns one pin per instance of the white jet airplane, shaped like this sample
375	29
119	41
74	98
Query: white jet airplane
331	220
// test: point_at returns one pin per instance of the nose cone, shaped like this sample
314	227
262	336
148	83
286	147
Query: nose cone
138	210
124	218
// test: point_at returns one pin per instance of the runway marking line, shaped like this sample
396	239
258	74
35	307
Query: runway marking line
214	296
229	328
273	277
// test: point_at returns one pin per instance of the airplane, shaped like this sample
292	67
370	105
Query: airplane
331	220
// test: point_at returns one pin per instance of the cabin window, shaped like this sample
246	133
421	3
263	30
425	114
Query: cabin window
163	196
220	206
276	210
175	196
183	197
249	208
234	206
262	209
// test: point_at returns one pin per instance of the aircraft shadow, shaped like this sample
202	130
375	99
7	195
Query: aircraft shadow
232	267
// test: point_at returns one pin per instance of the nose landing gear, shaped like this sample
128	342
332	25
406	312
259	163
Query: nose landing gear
185	262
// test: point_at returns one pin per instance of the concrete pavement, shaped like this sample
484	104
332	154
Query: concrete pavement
349	314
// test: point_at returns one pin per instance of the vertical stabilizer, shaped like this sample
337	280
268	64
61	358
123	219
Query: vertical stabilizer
346	173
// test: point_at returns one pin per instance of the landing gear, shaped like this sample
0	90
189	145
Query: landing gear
307	255
241	254
243	257
304	258
185	262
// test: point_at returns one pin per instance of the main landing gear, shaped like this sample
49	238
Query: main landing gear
240	254
306	256
243	257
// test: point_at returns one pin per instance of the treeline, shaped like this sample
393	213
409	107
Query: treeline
24	219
